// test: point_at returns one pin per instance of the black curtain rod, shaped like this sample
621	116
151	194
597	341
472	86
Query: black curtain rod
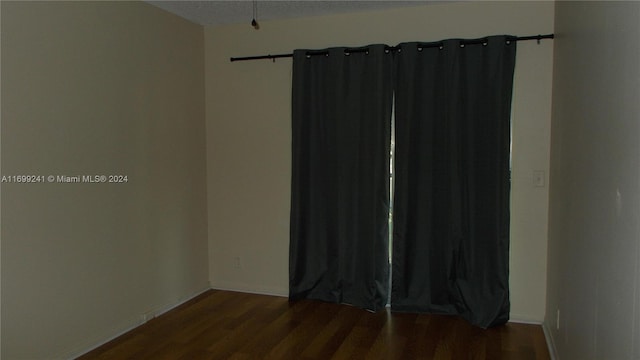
392	48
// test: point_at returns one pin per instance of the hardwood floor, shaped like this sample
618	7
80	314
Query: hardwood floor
232	325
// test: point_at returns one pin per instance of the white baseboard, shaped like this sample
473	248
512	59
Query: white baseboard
77	354
525	321
547	335
138	322
250	289
553	353
180	302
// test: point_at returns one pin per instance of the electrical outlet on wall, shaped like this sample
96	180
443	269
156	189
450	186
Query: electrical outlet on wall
538	178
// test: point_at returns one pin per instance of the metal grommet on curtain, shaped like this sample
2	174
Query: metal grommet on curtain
461	45
346	53
508	42
419	48
308	56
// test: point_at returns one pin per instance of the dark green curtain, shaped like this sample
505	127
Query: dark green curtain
452	179
341	111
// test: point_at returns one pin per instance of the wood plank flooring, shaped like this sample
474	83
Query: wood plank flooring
231	325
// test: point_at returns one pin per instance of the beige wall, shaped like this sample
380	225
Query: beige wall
594	212
249	136
99	88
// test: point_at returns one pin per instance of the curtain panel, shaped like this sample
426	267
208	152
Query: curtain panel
451	176
452	179
341	125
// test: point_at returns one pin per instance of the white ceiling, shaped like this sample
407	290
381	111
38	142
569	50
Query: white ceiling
241	11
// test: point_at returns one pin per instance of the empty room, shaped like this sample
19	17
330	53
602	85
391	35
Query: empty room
320	179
